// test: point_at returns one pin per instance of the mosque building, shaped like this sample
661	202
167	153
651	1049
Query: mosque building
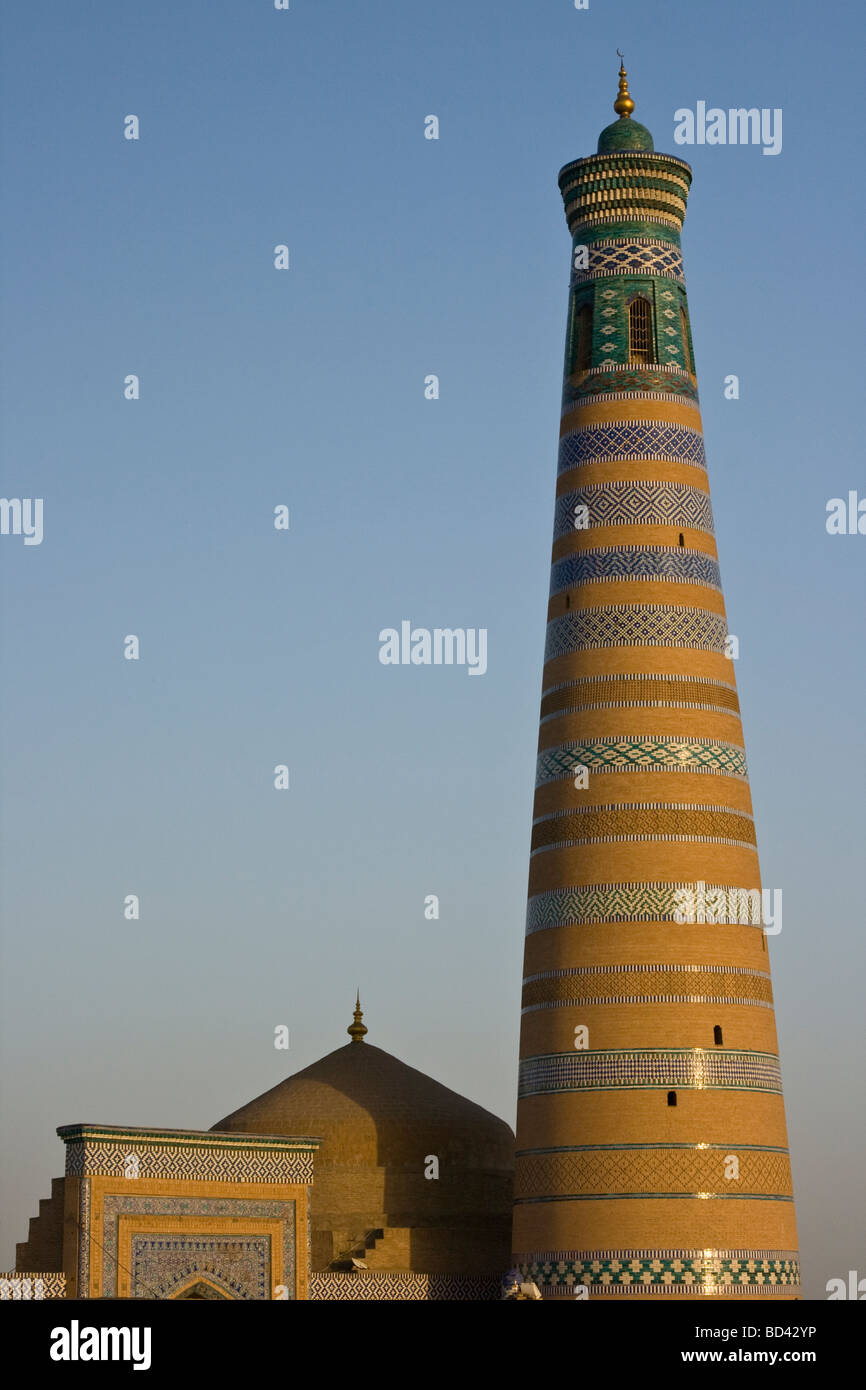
356	1178
651	1154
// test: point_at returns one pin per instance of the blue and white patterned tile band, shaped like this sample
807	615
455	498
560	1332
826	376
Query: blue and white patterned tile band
668	564
654	1068
630	256
623	440
634	504
636	625
597	903
641	753
252	1162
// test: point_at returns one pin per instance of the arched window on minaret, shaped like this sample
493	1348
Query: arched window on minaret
584	338
687	356
640	330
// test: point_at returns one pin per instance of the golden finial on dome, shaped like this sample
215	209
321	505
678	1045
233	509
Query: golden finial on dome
623	106
357	1030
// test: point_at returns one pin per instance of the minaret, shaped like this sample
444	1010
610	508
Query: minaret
652	1154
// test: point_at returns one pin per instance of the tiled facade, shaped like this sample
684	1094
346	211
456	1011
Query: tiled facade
652	1154
158	1213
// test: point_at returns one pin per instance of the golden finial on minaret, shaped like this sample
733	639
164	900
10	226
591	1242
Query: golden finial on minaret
357	1030
623	106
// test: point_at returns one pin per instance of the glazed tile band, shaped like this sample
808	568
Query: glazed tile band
627	1172
599	903
634	504
643	821
632	440
641	752
655	563
693	1069
631	256
746	1272
636	625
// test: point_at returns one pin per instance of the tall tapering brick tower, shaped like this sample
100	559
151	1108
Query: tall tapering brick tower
651	1143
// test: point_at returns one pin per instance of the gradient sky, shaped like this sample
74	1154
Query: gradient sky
305	387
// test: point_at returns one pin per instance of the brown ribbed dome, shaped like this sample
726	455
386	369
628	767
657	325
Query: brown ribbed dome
371	1109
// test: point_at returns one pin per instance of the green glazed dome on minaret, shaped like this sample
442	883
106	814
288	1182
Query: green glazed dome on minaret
624	134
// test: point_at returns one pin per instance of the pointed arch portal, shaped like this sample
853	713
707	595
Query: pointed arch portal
196	1287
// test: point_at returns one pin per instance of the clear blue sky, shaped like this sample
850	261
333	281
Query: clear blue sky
408	257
